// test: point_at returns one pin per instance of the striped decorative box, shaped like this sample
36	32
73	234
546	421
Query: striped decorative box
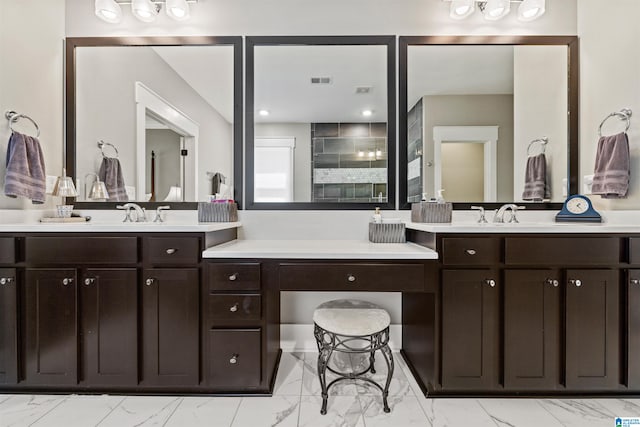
387	233
431	212
217	212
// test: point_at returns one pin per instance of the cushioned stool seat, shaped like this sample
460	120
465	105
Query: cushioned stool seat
351	326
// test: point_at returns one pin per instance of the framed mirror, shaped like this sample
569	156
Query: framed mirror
475	109
157	119
320	115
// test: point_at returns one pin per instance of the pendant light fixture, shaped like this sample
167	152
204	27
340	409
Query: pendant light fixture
144	10
460	9
530	10
109	11
494	10
177	9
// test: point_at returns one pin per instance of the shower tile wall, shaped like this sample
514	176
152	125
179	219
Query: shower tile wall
414	153
349	162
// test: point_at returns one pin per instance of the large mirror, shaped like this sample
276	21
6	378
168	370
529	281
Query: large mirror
489	120
155	119
320	117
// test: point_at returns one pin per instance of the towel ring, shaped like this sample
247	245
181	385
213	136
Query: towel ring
543	143
624	114
14	117
101	145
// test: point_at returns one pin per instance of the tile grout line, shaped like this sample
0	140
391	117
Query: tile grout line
47	412
173	412
111	411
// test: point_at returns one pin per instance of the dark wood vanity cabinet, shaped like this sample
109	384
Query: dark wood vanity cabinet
8	326
632	338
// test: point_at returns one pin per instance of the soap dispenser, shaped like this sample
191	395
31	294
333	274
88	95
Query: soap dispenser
377	216
439	198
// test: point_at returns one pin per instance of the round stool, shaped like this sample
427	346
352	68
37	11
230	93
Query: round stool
351	326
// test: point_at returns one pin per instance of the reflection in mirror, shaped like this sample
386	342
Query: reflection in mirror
169	112
320	127
472	111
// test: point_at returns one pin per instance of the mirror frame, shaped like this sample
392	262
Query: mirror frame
573	64
72	43
390	43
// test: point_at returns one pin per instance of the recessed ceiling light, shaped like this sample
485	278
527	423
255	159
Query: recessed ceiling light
367	113
263	113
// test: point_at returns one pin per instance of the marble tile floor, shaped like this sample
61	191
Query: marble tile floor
296	402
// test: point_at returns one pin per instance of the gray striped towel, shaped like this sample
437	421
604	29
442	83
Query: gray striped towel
612	170
111	174
535	179
25	175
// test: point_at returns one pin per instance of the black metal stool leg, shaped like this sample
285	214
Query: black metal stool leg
388	357
323	362
372	357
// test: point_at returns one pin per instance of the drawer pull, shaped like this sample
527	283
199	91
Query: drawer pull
553	282
576	282
6	280
470	251
351	278
491	282
233	277
67	281
635	281
234	359
171	251
149	281
233	308
89	281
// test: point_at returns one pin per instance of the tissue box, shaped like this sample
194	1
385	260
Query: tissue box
217	212
387	233
431	212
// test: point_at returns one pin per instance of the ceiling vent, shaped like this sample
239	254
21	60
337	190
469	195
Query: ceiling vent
320	80
363	89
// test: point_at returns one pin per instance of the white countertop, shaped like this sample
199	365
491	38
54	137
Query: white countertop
116	227
318	249
523	227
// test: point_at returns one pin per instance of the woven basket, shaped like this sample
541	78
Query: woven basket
217	212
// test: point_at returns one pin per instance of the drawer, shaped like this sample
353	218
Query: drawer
81	250
7	250
230	308
352	277
470	251
634	250
171	250
233	277
233	358
562	251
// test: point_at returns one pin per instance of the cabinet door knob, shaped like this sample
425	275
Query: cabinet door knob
89	281
149	281
233	308
234	359
67	281
171	251
6	280
553	282
576	282
491	282
233	277
351	278
635	281
470	251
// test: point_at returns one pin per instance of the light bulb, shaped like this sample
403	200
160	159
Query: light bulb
530	10
177	9
460	9
144	10
109	11
496	9
263	113
367	113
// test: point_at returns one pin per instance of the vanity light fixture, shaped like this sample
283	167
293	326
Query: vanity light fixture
98	188
145	10
493	10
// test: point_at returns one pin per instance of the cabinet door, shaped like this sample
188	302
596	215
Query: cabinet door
592	329
50	327
109	327
633	329
233	358
170	326
470	329
8	327
531	329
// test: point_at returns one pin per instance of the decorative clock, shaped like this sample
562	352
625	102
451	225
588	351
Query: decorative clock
578	208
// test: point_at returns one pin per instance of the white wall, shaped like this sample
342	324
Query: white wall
609	80
31	79
539	110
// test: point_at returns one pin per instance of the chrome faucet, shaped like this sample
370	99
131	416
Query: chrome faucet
513	208
141	215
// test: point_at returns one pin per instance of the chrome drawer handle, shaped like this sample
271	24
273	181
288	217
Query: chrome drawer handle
576	282
351	278
171	251
470	251
89	281
233	277
233	308
491	282
635	281
6	280
553	282
234	359
149	281
67	281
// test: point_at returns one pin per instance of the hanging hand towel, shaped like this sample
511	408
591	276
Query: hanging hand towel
535	179
111	174
25	175
612	170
